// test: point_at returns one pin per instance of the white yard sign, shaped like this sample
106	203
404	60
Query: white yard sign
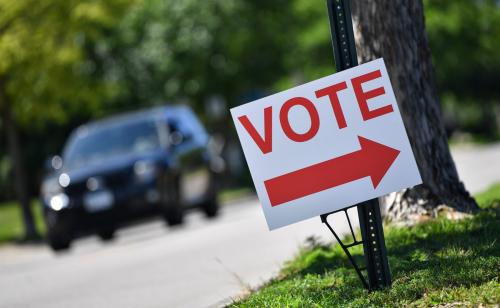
326	145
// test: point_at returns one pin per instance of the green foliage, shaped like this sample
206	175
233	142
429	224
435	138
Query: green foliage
46	71
310	56
464	36
434	263
62	58
48	76
170	51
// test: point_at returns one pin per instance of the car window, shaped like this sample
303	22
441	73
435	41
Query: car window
109	140
186	122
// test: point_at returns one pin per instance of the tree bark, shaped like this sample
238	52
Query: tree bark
395	30
15	155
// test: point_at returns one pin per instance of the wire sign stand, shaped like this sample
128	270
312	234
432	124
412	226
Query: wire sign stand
370	221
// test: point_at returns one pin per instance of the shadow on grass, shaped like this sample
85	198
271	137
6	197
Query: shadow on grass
430	256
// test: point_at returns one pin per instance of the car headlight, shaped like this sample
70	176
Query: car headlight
50	187
145	170
59	202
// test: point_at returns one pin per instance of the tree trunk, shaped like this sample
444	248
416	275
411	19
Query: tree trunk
15	154
395	30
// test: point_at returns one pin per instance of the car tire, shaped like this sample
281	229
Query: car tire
106	234
174	217
59	233
172	210
211	208
58	243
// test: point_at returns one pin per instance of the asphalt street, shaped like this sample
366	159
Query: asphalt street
202	264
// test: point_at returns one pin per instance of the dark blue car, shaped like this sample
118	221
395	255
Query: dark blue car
119	168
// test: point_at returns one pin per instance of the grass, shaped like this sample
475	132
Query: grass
11	228
434	263
233	194
489	196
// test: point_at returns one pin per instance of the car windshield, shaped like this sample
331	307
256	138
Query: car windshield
111	140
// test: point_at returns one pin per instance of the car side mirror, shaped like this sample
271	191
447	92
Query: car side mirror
177	138
53	163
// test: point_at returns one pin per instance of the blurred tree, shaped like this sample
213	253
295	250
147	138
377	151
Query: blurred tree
45	73
309	56
465	35
197	53
396	32
167	50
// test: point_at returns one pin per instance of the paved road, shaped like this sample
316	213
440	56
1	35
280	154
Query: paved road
202	264
478	167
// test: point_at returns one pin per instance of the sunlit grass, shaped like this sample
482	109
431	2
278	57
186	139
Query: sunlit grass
11	227
233	194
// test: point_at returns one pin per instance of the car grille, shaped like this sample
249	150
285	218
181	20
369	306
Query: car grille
111	180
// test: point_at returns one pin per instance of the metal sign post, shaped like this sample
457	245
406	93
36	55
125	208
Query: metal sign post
370	221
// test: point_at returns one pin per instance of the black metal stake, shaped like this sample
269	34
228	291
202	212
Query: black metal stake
370	221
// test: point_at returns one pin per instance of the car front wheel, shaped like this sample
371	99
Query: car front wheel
58	231
171	206
106	234
58	242
211	208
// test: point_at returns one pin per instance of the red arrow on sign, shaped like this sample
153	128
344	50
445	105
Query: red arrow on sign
373	160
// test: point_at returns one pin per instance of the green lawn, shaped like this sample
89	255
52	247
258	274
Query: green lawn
433	263
233	194
11	228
